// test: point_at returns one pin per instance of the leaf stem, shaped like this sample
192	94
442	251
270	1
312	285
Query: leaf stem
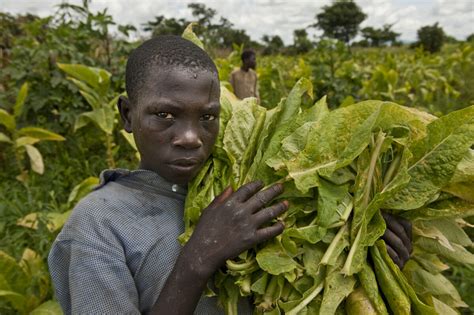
307	300
391	170
332	246
373	163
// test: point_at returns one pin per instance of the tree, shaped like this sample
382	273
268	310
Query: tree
470	38
431	38
273	44
340	20
301	42
164	26
379	36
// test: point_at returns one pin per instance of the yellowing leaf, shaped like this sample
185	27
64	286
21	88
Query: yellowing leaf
81	189
22	141
4	138
191	36
40	133
36	160
29	221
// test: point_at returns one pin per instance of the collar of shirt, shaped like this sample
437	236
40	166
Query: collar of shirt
142	176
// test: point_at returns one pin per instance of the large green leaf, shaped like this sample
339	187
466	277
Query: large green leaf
462	182
449	208
435	159
20	100
96	78
425	283
340	137
50	307
273	259
238	134
101	117
7	120
457	253
40	133
336	288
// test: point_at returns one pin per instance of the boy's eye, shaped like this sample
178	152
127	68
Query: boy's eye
164	115
208	117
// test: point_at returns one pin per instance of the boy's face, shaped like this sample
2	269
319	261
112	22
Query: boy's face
175	122
250	62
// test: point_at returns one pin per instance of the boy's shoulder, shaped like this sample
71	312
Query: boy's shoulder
125	199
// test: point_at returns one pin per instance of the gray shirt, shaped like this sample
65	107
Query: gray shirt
119	246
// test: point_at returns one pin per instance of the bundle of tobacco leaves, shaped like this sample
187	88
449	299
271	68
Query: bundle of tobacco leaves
340	169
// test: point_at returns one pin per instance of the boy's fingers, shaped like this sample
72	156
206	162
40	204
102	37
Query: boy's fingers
392	240
269	213
260	199
394	224
222	197
407	227
269	232
248	190
394	256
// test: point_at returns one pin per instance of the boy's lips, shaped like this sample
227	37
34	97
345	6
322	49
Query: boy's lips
185	161
184	164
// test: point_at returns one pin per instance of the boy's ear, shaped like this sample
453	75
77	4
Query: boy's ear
125	110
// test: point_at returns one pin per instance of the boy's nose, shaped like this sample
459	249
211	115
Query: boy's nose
188	139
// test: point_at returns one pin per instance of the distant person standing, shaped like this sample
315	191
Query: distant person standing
244	80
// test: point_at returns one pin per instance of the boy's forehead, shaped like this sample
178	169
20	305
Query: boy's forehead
178	80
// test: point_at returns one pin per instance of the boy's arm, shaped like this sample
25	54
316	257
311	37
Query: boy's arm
398	238
92	279
229	226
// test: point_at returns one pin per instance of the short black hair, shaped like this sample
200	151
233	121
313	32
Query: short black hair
247	54
165	52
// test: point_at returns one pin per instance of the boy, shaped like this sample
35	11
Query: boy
118	253
244	80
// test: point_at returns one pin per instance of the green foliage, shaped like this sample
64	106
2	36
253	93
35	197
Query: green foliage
431	38
340	20
379	37
340	168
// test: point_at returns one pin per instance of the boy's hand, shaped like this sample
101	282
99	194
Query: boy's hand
232	224
398	237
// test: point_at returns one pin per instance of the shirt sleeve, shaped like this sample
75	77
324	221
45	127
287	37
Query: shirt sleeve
92	279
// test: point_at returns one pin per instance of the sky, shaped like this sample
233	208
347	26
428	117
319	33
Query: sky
281	17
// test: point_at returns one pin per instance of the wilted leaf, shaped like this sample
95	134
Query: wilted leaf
36	160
